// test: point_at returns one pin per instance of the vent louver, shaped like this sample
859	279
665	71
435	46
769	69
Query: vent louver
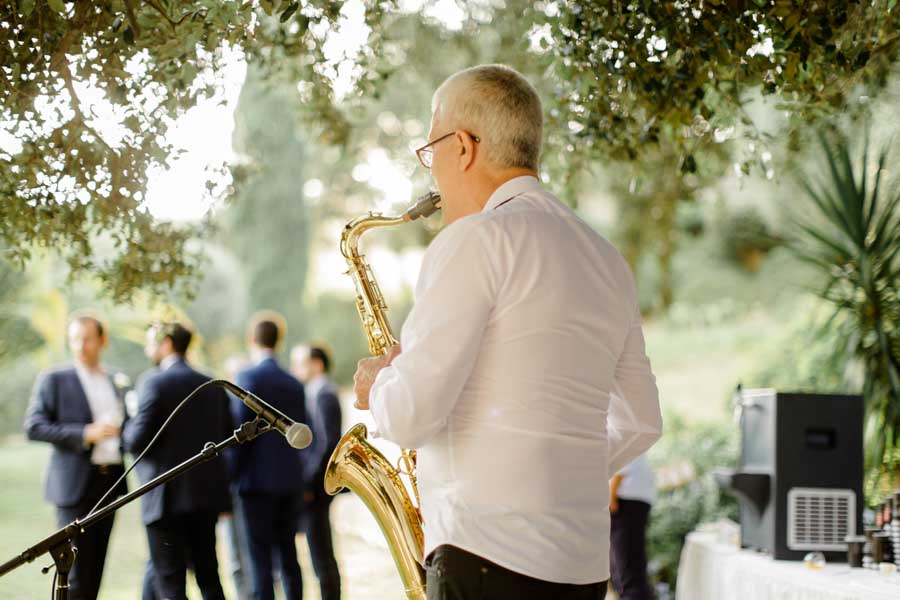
820	519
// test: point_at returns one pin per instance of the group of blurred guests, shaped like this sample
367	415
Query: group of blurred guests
270	490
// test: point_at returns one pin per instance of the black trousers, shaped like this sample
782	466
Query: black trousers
271	524
628	551
317	526
182	540
454	574
87	572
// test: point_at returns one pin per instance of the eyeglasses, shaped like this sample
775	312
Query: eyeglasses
426	152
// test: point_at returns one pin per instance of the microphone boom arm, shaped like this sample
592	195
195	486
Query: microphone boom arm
59	543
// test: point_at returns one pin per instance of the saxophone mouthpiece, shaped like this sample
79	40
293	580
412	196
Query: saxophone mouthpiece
425	206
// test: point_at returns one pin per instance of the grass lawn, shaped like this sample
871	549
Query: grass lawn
26	518
366	566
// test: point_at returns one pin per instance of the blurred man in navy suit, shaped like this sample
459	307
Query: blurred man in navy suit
180	516
79	410
235	534
311	365
268	472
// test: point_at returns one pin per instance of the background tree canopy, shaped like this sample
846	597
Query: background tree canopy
69	66
632	73
620	79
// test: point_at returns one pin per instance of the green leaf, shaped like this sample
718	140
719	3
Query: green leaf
290	10
57	5
831	243
826	205
26	7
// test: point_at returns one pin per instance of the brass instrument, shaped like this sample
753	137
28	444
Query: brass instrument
355	463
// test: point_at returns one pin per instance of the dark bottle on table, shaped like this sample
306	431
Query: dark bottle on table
868	560
880	541
886	520
895	527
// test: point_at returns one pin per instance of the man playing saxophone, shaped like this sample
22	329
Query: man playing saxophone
523	382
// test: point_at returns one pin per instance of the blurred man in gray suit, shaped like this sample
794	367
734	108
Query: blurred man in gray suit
311	364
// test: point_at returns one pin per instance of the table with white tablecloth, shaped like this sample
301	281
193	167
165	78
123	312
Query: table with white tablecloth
713	570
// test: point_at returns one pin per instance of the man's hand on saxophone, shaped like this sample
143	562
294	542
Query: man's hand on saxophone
366	371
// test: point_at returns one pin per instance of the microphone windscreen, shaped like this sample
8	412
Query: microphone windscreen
299	436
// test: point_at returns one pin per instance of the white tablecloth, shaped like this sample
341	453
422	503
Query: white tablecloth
710	570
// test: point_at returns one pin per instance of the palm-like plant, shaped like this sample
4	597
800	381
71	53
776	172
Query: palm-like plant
852	236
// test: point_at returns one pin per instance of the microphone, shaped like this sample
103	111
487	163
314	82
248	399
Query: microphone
297	435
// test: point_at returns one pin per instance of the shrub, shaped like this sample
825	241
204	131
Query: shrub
678	511
746	238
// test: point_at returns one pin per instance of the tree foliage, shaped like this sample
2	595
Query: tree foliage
620	78
664	88
17	336
648	194
68	68
630	74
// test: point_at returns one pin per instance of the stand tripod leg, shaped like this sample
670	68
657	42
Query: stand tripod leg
64	557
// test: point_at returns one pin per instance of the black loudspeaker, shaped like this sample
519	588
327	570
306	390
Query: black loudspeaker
801	471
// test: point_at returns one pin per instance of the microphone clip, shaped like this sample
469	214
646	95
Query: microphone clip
251	429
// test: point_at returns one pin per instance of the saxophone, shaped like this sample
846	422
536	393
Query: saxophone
355	463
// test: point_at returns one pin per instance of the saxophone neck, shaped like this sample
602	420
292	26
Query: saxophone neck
424	206
358	226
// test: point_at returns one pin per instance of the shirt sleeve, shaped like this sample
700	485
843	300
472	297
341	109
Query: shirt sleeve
412	399
634	422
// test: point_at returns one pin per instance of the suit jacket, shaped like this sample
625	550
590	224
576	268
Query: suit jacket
57	414
268	464
324	412
204	418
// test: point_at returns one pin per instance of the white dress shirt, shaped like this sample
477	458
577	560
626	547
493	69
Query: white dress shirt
525	323
312	389
638	482
105	408
166	363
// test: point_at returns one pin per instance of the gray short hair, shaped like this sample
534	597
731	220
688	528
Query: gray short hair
501	107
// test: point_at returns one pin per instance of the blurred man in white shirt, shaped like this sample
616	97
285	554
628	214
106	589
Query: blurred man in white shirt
78	409
523	380
632	492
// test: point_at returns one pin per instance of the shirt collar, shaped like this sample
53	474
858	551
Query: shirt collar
511	188
168	361
261	355
85	373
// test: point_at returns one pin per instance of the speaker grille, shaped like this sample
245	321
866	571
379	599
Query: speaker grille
820	518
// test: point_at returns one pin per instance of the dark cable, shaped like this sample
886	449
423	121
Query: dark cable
150	445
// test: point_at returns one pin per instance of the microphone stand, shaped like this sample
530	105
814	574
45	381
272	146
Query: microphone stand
59	544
